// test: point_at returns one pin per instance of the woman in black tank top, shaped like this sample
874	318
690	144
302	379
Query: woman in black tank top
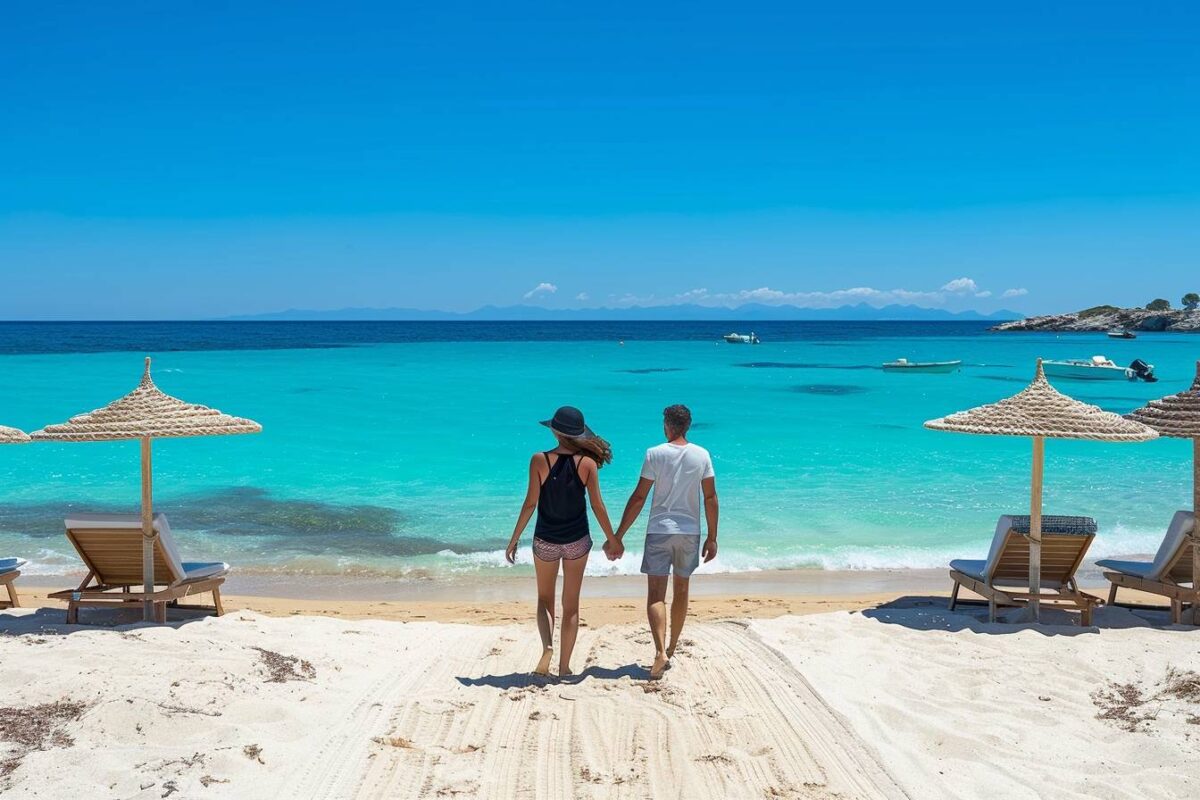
559	479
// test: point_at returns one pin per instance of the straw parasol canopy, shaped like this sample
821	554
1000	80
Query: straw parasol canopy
12	436
1178	416
146	413
1042	412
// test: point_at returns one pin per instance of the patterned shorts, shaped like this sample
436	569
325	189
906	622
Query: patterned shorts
549	551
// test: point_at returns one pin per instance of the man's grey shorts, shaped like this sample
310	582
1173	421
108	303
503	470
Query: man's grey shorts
671	552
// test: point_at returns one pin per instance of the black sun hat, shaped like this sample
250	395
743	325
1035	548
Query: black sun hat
568	421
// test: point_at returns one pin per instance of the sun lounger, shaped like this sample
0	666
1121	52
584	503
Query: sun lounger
111	547
1003	578
1166	574
10	570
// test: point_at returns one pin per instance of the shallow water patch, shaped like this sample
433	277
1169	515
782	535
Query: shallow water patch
829	389
295	525
801	365
652	370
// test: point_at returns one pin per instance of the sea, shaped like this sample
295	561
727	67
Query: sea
401	448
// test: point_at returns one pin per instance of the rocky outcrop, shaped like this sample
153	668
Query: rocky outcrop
1106	318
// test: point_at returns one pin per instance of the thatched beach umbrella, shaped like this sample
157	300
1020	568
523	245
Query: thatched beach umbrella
1178	416
12	436
146	413
1042	412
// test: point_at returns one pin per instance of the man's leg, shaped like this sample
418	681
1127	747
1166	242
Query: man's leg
685	558
656	613
679	609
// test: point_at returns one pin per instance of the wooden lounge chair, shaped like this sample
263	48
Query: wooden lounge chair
111	547
1003	579
1166	574
10	570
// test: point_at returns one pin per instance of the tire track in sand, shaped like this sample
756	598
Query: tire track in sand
730	720
337	770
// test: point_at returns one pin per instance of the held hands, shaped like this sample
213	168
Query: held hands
614	549
710	549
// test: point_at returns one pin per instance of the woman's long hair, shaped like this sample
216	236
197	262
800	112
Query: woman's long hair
593	447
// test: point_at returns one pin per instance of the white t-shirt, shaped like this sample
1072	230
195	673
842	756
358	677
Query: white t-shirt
676	471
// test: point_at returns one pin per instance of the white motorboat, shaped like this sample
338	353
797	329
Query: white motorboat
937	367
1121	334
741	338
1099	368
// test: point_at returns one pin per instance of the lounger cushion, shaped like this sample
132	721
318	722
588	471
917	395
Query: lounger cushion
198	570
972	568
1177	534
1138	569
11	564
981	570
998	538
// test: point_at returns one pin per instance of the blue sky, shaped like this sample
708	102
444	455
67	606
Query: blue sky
176	160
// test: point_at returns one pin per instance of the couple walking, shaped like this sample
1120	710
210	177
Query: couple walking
680	475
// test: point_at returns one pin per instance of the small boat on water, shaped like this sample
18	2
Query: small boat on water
936	367
1121	334
1099	368
741	338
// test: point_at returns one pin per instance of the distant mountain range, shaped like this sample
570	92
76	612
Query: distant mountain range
744	313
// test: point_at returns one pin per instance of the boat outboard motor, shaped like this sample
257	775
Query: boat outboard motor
1143	370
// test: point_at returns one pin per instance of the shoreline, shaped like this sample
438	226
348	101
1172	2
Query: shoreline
595	612
491	587
506	601
474	587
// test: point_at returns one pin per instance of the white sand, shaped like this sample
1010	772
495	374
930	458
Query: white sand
402	710
960	708
861	705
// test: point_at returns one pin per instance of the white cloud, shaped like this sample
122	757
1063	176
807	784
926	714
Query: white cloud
582	296
774	297
961	286
541	289
951	294
838	297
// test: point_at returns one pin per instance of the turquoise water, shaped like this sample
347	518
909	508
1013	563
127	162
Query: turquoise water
408	457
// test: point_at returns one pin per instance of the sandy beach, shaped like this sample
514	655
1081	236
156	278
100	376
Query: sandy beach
788	695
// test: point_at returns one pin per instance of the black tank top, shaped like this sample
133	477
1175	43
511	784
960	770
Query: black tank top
562	513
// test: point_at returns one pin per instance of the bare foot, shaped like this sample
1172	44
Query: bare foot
564	672
671	651
543	666
661	662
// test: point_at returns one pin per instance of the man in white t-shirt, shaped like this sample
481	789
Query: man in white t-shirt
680	473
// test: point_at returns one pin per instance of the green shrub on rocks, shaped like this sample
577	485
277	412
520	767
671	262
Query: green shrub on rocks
1096	311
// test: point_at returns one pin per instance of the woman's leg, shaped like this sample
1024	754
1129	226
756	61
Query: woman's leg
547	577
572	582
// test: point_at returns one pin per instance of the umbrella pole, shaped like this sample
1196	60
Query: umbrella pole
147	533
1035	528
1195	612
